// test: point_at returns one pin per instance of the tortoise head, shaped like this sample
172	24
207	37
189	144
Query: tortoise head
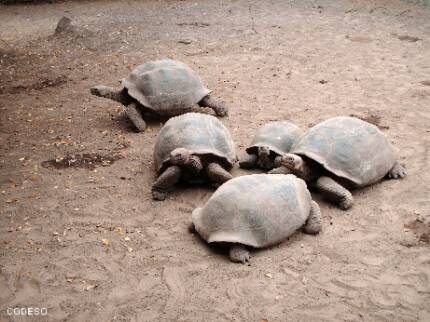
292	162
263	151
179	156
264	159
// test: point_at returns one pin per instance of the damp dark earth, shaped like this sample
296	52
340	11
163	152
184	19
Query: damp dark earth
79	232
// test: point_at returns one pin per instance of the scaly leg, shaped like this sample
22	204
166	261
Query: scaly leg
313	223
239	254
248	161
217	173
165	181
397	171
280	170
135	117
335	192
219	108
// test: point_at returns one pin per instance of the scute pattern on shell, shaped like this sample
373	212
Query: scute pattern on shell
199	133
279	136
256	210
166	86
350	148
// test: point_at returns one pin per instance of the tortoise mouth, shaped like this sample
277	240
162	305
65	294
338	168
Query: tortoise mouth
289	162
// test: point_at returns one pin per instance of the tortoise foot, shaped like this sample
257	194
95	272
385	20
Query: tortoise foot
346	202
239	254
158	194
397	172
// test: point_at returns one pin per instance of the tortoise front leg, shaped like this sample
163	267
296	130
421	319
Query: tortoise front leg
165	181
280	170
219	108
248	161
135	117
335	192
120	96
397	171
238	253
313	223
217	173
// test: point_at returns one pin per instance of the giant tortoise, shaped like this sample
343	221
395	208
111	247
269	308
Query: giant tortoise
161	88
270	142
256	211
192	147
343	152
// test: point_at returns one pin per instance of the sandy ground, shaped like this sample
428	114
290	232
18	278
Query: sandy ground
89	243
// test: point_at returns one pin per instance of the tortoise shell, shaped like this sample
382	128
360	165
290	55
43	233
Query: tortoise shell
349	148
167	87
278	136
201	134
256	210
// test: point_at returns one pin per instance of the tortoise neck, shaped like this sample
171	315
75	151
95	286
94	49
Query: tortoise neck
309	170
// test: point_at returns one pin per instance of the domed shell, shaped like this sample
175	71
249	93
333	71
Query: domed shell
278	136
166	86
349	148
199	133
257	210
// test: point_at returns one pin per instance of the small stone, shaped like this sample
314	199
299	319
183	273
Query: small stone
105	242
90	287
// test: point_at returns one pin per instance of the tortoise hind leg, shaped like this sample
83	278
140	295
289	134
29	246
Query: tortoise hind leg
219	108
397	171
335	192
120	96
238	253
135	117
217	174
313	223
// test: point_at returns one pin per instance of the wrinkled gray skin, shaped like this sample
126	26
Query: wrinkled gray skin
188	166
342	153
194	148
269	143
257	211
263	158
160	88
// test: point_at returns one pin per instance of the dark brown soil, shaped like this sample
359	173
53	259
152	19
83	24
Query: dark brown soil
87	160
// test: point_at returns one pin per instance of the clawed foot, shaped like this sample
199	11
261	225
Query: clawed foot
397	172
346	202
239	254
158	194
221	110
